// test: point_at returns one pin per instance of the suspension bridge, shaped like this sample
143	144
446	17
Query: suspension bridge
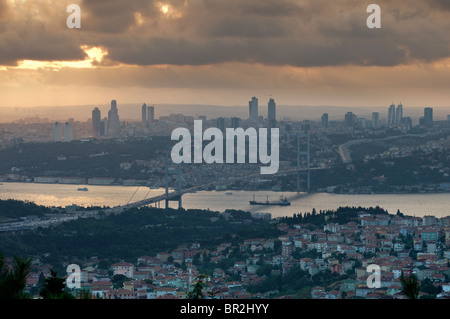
177	194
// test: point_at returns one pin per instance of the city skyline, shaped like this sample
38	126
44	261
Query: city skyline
310	53
271	111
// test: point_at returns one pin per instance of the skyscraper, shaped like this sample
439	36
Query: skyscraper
253	108
272	110
68	132
96	118
113	118
103	130
57	132
375	119
399	114
391	114
350	119
144	115
325	120
428	116
150	114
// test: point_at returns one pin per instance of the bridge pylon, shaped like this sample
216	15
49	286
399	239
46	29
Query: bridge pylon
308	164
170	171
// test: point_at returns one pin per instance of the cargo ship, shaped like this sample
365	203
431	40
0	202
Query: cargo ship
282	202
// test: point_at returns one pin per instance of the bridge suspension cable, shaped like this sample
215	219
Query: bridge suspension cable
147	194
133	195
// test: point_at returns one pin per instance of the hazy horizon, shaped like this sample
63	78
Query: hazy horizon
132	111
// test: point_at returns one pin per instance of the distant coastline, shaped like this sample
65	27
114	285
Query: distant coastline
141	184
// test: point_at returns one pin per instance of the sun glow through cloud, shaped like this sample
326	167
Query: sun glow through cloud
170	11
164	8
95	55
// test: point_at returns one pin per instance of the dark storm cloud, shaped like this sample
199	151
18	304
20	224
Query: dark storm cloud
32	30
201	32
440	4
309	33
31	44
114	16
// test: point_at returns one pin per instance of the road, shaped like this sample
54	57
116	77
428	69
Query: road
344	149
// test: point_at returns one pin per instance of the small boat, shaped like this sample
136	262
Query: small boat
228	193
282	202
84	189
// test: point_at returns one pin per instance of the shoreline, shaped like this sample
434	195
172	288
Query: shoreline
237	190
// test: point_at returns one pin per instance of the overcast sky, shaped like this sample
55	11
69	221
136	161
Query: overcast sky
223	52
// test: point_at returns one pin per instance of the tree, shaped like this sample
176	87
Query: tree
410	286
118	280
54	288
197	291
12	282
427	286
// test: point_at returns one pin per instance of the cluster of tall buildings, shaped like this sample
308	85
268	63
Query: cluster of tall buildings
395	118
63	132
99	125
271	113
395	114
109	125
148	114
351	120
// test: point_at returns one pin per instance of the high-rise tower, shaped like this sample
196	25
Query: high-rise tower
350	119
96	118
144	115
325	120
68	132
113	118
391	114
150	114
57	132
375	119
399	114
103	130
272	110
428	116
253	108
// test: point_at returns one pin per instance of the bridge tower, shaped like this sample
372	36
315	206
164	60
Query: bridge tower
171	171
307	154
